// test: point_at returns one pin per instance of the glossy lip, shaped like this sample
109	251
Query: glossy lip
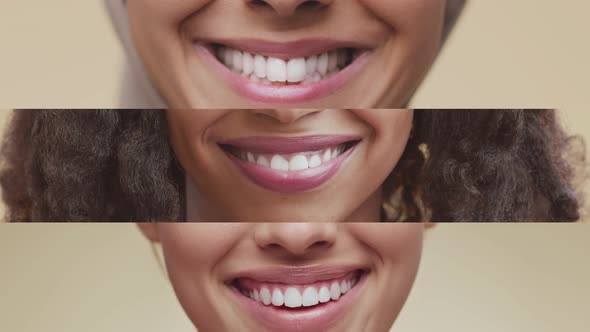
291	181
285	94
317	318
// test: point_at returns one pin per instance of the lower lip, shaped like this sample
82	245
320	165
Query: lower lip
318	318
295	181
288	94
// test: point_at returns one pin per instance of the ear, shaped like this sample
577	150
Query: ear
150	231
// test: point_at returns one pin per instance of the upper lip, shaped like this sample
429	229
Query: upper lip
288	50
297	275
286	145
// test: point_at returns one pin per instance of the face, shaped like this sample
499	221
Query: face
290	277
286	53
287	165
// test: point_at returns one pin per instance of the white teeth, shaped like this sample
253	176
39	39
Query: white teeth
310	297
237	60
276	70
277	298
311	65
292	298
324	295
265	296
295	162
335	291
279	163
314	161
260	66
296	70
323	64
327	155
344	287
262	161
248	64
298	163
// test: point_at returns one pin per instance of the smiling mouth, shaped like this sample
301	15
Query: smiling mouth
290	162
280	71
296	297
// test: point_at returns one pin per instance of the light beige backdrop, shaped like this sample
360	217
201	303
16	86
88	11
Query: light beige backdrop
474	277
504	53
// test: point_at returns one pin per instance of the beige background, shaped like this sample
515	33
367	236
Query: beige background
474	277
504	53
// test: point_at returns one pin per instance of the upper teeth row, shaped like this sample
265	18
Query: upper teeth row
270	69
296	162
293	298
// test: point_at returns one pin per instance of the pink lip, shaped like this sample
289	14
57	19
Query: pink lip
292	181
286	94
286	145
297	275
318	318
289	50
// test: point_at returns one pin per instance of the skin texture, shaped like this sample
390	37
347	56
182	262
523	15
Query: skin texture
354	194
201	257
404	36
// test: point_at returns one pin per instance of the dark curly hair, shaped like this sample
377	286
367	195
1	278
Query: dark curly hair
459	165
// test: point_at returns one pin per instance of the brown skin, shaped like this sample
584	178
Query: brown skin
354	194
404	35
199	257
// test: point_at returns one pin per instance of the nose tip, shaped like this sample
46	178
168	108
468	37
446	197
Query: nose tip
295	239
285	116
288	7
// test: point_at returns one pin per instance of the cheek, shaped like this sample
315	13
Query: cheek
192	250
170	12
394	242
405	15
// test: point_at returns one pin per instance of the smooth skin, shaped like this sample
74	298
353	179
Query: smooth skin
200	256
404	36
218	191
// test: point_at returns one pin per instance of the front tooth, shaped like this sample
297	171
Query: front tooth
292	298
324	295
260	66
250	157
335	291
315	161
276	70
327	156
277	298
343	287
237	60
323	64
279	163
296	70
332	61
310	297
265	296
334	153
262	161
298	163
247	64
311	65
256	296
